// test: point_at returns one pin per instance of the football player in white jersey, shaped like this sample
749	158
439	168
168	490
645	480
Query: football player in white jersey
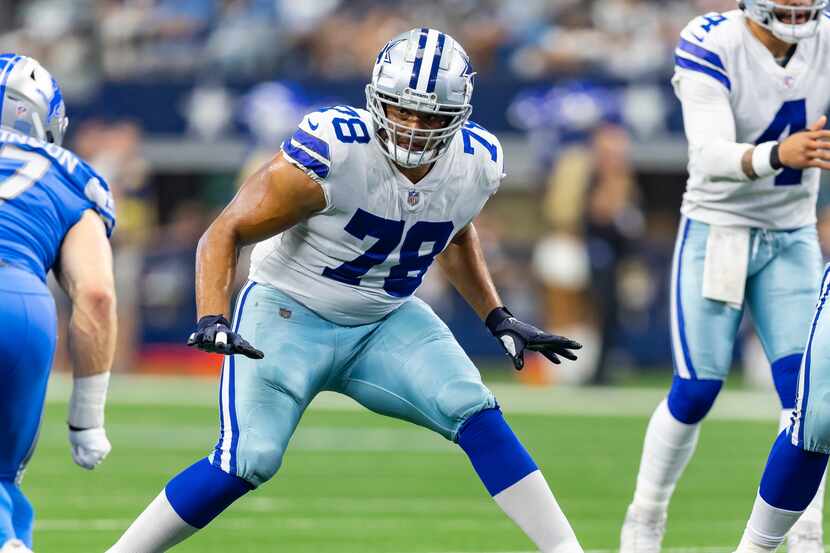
754	86
364	200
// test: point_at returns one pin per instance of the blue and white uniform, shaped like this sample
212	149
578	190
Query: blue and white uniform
330	301
736	95
44	190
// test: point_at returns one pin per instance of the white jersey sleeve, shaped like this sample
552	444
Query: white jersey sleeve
702	84
317	150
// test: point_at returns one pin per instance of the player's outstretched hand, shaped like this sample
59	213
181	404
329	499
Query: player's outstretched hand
516	337
89	446
213	334
809	148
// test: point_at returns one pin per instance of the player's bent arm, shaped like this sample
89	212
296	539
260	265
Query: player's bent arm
463	263
85	273
465	267
272	200
710	129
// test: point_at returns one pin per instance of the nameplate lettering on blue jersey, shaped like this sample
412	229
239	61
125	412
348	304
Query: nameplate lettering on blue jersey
64	157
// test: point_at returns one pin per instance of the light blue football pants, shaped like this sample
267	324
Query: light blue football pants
782	285
811	425
408	365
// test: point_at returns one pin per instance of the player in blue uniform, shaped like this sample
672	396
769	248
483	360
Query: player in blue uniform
56	213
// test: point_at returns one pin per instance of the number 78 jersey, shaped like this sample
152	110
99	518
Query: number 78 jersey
769	102
367	251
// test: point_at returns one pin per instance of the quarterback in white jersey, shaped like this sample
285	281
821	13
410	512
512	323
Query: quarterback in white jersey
349	217
754	87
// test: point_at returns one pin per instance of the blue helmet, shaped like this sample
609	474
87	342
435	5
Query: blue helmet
788	22
30	99
422	70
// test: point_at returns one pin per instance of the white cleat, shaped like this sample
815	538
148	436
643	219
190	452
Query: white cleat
15	546
642	532
805	537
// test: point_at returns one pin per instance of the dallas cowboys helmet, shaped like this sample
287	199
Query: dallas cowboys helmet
30	99
781	19
423	70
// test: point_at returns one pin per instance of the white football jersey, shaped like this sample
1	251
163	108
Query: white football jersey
367	251
769	102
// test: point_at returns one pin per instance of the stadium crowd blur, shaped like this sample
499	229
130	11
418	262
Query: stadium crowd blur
579	239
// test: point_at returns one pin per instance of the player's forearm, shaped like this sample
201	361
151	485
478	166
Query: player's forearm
465	267
216	258
92	331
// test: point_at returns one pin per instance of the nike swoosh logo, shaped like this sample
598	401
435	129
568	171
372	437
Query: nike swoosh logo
312	126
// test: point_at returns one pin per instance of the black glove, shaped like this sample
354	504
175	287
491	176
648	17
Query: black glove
515	337
213	334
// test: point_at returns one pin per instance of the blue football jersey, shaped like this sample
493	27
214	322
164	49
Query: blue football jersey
44	190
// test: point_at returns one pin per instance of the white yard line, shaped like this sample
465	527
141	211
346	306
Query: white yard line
514	398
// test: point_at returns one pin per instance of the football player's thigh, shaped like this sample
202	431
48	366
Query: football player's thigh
24	371
703	330
812	422
262	400
412	368
782	296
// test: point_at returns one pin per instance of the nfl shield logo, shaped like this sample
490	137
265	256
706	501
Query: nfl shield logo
789	81
413	198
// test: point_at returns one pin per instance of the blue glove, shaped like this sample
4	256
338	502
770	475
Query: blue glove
213	334
516	337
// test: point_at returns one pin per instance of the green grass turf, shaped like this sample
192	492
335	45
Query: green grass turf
353	481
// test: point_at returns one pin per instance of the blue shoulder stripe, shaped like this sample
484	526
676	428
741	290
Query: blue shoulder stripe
700	52
312	143
301	157
694	66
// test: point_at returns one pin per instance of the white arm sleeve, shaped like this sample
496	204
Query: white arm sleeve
710	128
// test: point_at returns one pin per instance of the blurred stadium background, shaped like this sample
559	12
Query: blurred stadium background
175	101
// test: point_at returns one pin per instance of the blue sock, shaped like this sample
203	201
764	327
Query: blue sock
23	514
792	475
201	491
495	452
6	512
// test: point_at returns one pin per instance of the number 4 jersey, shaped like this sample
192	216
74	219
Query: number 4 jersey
769	102
44	190
367	251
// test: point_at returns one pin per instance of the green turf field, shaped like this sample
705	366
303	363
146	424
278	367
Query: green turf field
355	482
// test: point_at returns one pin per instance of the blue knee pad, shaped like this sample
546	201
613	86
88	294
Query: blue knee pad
785	377
792	475
200	492
496	453
690	400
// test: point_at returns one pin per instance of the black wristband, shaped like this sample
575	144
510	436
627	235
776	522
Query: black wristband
496	316
210	320
774	160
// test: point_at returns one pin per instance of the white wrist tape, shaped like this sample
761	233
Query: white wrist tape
86	405
761	160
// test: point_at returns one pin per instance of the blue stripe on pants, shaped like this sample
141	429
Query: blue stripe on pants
232	390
